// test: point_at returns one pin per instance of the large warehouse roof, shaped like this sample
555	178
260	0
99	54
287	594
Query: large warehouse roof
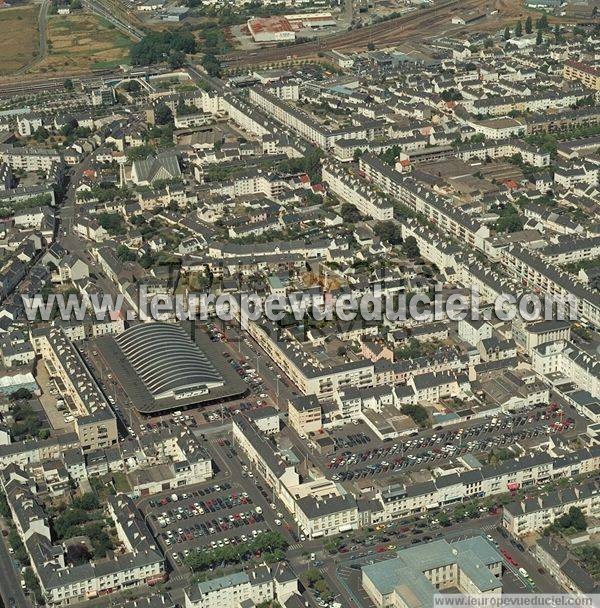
167	361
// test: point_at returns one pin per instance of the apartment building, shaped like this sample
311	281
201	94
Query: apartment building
28	124
309	376
304	414
535	514
401	501
141	562
329	516
24	453
473	332
503	149
564	567
290	116
541	102
257	586
569	250
407	191
531	335
306	126
569	360
349	189
564	120
542	277
96	424
587	74
168	459
29	159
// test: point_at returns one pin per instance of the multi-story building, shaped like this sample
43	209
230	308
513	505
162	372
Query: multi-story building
535	514
96	424
418	573
410	193
490	480
542	277
328	516
576	70
569	360
305	414
349	189
258	586
63	584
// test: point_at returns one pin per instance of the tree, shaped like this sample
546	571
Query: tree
156	46
418	413
542	23
389	231
411	248
21	393
176	59
163	114
313	575
41	134
88	502
539	38
332	545
528	25
443	519
211	64
350	214
4	508
78	554
370	46
132	86
507	33
68	84
557	35
111	222
574	519
125	254
518	29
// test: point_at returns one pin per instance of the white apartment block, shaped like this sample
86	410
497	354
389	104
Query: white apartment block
408	192
570	361
542	277
258	586
535	514
349	189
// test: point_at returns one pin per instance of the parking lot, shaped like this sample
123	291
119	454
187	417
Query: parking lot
211	517
352	461
230	509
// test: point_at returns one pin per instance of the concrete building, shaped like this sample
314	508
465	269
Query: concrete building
417	574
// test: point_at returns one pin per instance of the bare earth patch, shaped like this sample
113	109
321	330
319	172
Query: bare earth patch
19	37
80	42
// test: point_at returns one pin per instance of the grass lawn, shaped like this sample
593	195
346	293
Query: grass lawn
19	39
81	41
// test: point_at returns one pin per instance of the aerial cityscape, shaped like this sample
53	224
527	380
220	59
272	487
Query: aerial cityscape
299	303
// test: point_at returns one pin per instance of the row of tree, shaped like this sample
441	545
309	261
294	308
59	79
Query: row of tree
270	545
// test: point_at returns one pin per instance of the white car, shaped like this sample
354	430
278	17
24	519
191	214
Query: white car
277	522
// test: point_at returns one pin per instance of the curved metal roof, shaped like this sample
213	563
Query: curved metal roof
166	359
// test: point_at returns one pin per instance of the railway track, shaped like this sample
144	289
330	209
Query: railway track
384	31
41	83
